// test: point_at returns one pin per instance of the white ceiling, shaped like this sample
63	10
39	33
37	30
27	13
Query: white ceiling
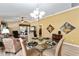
13	10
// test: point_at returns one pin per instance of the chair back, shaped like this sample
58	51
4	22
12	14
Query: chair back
56	37
15	34
24	49
59	48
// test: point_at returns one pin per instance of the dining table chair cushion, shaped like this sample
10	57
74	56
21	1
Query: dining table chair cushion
49	52
33	52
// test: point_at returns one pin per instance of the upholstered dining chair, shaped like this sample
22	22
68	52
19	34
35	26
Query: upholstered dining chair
29	52
55	51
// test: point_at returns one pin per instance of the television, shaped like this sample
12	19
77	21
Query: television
15	34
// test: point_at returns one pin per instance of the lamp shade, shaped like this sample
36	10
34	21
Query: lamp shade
5	30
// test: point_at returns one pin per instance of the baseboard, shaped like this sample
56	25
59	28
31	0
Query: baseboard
74	45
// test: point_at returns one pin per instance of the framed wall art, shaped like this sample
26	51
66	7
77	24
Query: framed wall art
67	28
50	28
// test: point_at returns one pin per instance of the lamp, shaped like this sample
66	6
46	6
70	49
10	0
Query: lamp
5	31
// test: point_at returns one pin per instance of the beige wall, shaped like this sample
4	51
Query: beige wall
58	20
14	25
1	18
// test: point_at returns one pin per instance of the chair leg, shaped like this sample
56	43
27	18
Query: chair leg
41	53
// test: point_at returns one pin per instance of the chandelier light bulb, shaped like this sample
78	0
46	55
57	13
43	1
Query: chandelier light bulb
35	17
32	14
36	12
42	13
40	16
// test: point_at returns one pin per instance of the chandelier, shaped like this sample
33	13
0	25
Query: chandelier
37	14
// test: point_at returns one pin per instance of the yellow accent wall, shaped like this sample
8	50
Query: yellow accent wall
58	20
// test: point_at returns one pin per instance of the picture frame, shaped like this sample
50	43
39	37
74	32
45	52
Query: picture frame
67	28
50	28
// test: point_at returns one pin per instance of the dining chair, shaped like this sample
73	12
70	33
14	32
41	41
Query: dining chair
55	51
29	52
